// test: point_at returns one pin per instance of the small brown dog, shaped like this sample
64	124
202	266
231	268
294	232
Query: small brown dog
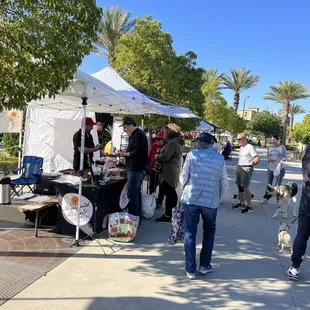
284	238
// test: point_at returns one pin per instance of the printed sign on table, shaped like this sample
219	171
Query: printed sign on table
69	207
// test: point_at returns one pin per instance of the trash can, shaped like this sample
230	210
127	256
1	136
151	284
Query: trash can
5	191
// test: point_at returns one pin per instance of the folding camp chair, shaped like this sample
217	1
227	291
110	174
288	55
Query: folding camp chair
32	171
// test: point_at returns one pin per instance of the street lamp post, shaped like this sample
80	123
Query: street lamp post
244	106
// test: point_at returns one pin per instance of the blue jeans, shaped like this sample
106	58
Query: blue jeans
135	179
278	179
191	220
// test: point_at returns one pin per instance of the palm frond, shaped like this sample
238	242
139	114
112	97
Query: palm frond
239	80
295	108
287	92
212	75
115	23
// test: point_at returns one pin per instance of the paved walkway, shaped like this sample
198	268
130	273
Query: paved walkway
249	273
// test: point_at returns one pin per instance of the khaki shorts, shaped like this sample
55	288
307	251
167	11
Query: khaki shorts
244	176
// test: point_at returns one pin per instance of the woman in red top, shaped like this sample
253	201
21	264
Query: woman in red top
159	143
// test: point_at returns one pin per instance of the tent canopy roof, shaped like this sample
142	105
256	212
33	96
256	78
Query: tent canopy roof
110	77
204	125
101	98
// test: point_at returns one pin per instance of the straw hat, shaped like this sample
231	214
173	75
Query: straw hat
173	128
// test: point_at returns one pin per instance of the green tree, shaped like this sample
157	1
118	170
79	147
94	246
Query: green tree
265	124
296	133
301	132
115	23
294	109
239	80
42	43
218	112
146	59
285	93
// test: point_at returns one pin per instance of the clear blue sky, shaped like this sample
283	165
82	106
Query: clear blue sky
269	37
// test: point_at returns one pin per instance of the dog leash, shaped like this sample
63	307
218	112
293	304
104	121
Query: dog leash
295	220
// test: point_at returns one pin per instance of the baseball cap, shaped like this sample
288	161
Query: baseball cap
205	137
128	121
89	121
160	135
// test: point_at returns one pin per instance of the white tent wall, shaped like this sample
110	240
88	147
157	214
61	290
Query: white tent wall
49	134
117	131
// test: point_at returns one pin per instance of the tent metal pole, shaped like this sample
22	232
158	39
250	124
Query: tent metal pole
84	104
142	122
20	150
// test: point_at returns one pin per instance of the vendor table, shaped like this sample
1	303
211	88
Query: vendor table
107	202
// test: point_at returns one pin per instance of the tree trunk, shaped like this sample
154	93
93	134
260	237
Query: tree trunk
265	141
285	112
291	126
236	101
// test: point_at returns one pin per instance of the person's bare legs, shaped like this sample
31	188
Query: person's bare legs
248	196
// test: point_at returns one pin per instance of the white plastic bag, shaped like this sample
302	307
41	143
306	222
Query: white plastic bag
148	205
277	171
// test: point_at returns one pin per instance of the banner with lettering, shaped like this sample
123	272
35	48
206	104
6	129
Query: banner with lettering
69	207
10	120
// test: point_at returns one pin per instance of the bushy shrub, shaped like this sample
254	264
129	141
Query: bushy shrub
10	141
7	162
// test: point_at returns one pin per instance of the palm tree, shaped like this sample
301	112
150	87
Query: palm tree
115	23
240	80
211	75
285	93
295	109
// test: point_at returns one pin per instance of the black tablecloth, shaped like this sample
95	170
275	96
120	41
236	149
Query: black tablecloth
107	202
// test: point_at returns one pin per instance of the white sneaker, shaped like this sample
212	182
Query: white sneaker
293	273
204	270
191	276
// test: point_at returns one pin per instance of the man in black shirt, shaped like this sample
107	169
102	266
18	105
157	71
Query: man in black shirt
89	146
136	161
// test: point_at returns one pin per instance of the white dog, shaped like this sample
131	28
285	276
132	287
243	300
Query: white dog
284	238
286	193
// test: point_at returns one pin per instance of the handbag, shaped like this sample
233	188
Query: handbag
123	226
177	226
157	167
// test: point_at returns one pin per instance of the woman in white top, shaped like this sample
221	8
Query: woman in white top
276	154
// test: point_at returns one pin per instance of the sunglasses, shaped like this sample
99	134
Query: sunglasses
240	139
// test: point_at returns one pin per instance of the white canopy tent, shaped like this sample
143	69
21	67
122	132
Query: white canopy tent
85	90
101	98
110	77
205	126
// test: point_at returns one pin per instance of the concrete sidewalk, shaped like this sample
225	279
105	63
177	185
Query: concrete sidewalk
249	273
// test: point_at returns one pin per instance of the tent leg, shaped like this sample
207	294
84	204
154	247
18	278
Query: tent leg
84	104
142	122
20	151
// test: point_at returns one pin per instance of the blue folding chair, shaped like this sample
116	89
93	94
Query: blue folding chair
32	171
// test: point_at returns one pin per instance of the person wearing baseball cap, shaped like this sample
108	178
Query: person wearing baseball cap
204	182
89	146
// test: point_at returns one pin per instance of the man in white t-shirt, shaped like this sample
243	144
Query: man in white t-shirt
248	157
